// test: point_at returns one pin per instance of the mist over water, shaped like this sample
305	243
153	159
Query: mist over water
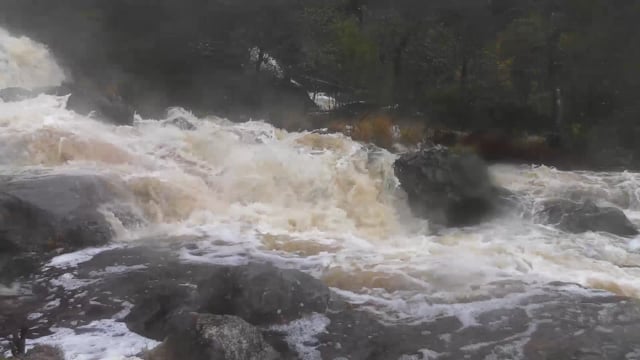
320	203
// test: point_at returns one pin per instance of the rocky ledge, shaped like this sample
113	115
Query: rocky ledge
455	189
258	311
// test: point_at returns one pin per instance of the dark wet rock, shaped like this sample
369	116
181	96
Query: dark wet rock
257	293
262	293
551	321
159	286
557	323
155	287
447	188
357	334
103	104
46	215
579	217
151	314
213	337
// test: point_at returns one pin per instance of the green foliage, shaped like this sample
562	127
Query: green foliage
356	54
465	63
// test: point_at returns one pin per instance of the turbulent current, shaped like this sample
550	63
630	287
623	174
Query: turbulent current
317	202
322	203
26	64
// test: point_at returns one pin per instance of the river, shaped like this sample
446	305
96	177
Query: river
321	203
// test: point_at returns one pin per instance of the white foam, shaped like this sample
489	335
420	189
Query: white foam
119	269
27	64
34	316
52	304
69	281
302	333
99	340
71	260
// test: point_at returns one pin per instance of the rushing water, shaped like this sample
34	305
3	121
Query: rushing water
321	203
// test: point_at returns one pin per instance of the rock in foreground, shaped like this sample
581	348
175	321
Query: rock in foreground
538	322
447	188
46	215
578	218
262	293
213	337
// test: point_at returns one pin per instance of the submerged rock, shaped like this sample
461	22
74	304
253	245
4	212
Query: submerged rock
46	215
447	188
213	337
579	217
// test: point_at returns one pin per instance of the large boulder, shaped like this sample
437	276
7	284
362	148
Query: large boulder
103	103
45	215
258	293
447	188
550	321
579	217
213	337
263	293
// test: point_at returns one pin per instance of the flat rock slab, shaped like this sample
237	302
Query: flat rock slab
554	321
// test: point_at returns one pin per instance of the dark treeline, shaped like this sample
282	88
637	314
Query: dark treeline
565	66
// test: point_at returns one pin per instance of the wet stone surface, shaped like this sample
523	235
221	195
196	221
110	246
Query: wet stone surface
146	286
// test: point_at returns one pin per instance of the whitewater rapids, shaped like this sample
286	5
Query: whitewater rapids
27	64
320	203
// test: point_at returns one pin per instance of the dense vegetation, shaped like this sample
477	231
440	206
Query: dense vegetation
536	66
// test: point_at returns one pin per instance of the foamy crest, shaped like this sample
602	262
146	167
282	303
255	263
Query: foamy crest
27	64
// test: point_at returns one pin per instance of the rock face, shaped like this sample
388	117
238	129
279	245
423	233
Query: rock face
258	293
448	189
213	337
50	214
103	103
577	218
551	321
262	293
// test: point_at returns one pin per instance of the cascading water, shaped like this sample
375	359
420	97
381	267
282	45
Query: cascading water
322	196
26	64
321	203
